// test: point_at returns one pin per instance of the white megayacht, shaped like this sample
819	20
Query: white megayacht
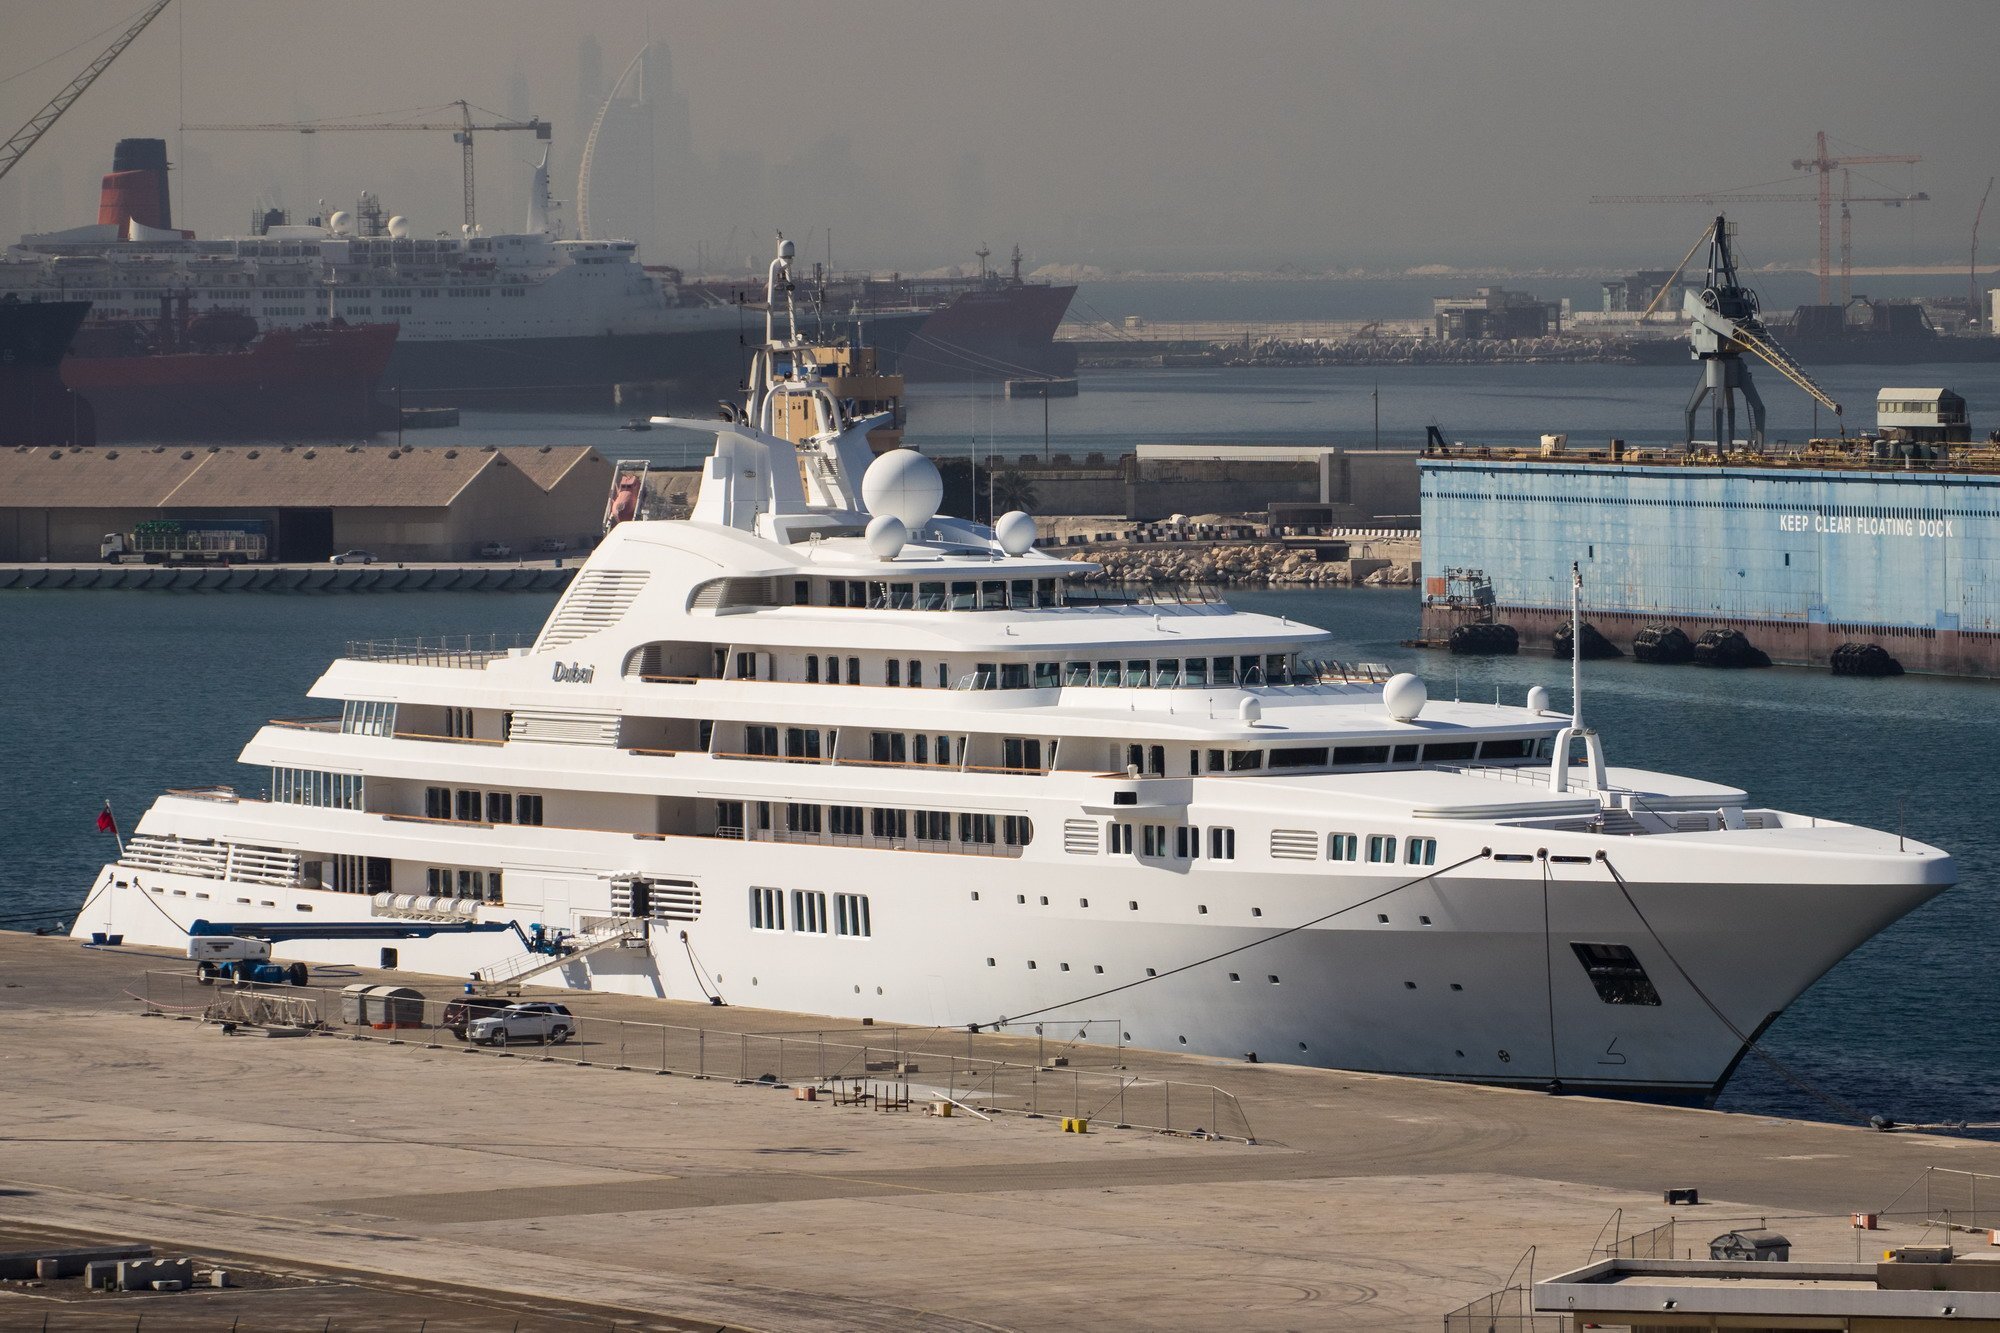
818	748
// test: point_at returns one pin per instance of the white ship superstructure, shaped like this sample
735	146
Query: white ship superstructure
820	748
520	308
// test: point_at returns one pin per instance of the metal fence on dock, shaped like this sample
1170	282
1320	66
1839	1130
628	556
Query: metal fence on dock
1070	1076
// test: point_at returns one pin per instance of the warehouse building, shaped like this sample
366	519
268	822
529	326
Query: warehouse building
399	503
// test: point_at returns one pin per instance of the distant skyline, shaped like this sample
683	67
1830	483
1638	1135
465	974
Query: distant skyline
1165	136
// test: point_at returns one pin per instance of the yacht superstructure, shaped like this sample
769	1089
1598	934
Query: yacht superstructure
820	748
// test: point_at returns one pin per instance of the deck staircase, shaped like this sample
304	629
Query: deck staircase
606	933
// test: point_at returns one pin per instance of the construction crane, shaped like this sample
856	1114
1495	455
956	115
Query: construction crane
39	123
1723	324
1823	165
462	131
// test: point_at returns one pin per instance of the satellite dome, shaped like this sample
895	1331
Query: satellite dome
905	484
786	249
886	535
1250	711
1538	700
399	227
340	222
1404	696
1015	531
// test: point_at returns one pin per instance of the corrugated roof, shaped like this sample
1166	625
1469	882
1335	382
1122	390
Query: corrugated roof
266	476
548	464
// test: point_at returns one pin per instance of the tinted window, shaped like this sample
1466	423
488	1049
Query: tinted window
1361	754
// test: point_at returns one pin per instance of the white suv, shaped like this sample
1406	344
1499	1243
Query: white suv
522	1022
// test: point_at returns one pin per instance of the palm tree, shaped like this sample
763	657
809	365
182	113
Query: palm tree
1011	490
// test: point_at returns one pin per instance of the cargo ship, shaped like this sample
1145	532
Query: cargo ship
1862	332
991	326
220	375
36	407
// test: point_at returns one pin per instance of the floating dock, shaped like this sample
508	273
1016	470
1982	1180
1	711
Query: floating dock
379	577
1801	553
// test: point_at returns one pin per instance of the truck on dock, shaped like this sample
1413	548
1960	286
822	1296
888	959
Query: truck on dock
189	541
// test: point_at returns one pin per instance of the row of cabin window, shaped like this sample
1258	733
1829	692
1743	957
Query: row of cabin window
1138	673
306	786
934	595
850	917
475	807
1382	849
1179	842
454	882
1151	760
360	874
854	821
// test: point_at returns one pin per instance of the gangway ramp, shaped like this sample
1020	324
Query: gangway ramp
606	934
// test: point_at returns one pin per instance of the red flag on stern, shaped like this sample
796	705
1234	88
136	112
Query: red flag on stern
105	823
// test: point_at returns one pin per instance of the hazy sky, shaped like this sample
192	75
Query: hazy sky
1178	134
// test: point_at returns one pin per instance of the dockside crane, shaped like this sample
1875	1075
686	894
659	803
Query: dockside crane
1724	323
38	124
1823	165
462	131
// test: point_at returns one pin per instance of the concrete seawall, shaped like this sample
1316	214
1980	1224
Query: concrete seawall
287	578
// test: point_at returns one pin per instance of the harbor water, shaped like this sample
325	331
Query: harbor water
120	695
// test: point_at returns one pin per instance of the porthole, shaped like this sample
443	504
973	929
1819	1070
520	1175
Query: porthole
1020	897
1456	986
1133	905
878	990
1128	1036
1424	920
1302	1046
857	990
1031	964
1201	909
1383	917
1151	973
1183	1041
1099	967
975	895
1234	977
753	981
1083	902
1459	1054
991	963
1045	900
1273	979
1409	985
1063	966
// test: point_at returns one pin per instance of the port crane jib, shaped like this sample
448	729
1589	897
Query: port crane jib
462	131
38	124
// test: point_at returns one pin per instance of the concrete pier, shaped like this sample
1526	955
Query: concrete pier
401	576
1367	1202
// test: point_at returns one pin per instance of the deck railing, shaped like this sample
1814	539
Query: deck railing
448	650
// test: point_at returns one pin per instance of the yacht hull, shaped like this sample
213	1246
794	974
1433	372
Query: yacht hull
1461	981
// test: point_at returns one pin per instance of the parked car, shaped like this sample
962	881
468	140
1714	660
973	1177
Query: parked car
495	551
552	545
536	1021
462	1011
354	558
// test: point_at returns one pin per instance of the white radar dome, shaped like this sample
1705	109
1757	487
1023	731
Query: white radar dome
1538	700
340	222
1404	697
786	249
905	484
1015	531
399	227
886	535
1250	711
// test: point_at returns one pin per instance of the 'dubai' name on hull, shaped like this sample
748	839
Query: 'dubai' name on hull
1864	526
572	673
